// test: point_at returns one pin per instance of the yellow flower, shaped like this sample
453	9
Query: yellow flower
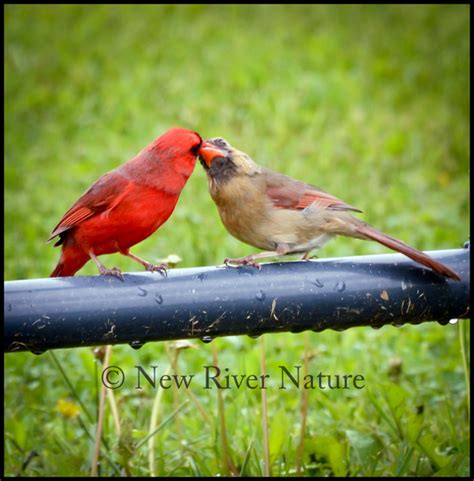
67	408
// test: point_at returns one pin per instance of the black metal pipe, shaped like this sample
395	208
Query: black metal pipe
206	302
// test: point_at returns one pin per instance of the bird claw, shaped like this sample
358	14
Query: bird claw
244	261
162	269
115	272
308	258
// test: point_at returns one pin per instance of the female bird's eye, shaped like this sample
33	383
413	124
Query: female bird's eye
220	142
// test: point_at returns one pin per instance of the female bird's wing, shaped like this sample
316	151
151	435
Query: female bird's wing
103	195
288	193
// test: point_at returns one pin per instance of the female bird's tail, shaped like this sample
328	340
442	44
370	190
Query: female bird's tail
371	233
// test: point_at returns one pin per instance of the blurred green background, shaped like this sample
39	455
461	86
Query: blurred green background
370	103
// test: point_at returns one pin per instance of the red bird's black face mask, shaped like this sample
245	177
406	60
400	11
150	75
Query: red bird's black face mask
195	149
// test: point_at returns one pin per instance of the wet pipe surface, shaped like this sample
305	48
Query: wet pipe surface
208	302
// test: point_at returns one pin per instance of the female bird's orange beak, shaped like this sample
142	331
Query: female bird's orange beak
209	152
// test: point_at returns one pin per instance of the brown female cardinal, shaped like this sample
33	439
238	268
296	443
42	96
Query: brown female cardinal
274	212
127	204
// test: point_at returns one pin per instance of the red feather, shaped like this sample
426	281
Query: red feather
103	195
128	204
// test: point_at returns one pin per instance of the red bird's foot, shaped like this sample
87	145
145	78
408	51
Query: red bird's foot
115	271
243	261
148	265
162	269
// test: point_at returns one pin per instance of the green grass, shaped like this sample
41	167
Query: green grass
371	103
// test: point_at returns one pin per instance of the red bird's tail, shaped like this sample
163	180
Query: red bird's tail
397	245
69	263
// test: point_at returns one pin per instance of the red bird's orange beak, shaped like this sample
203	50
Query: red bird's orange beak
209	152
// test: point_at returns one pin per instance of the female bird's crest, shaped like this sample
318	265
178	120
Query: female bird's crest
243	164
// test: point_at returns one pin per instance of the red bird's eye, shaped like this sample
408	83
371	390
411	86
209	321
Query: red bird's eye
195	149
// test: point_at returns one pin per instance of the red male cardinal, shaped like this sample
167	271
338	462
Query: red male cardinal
127	204
272	211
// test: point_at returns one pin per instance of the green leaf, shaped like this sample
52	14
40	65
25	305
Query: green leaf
278	433
334	451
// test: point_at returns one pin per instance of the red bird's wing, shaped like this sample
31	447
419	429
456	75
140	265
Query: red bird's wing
287	193
103	195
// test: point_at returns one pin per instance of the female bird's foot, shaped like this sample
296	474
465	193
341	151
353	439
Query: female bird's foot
115	271
162	269
307	256
242	261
